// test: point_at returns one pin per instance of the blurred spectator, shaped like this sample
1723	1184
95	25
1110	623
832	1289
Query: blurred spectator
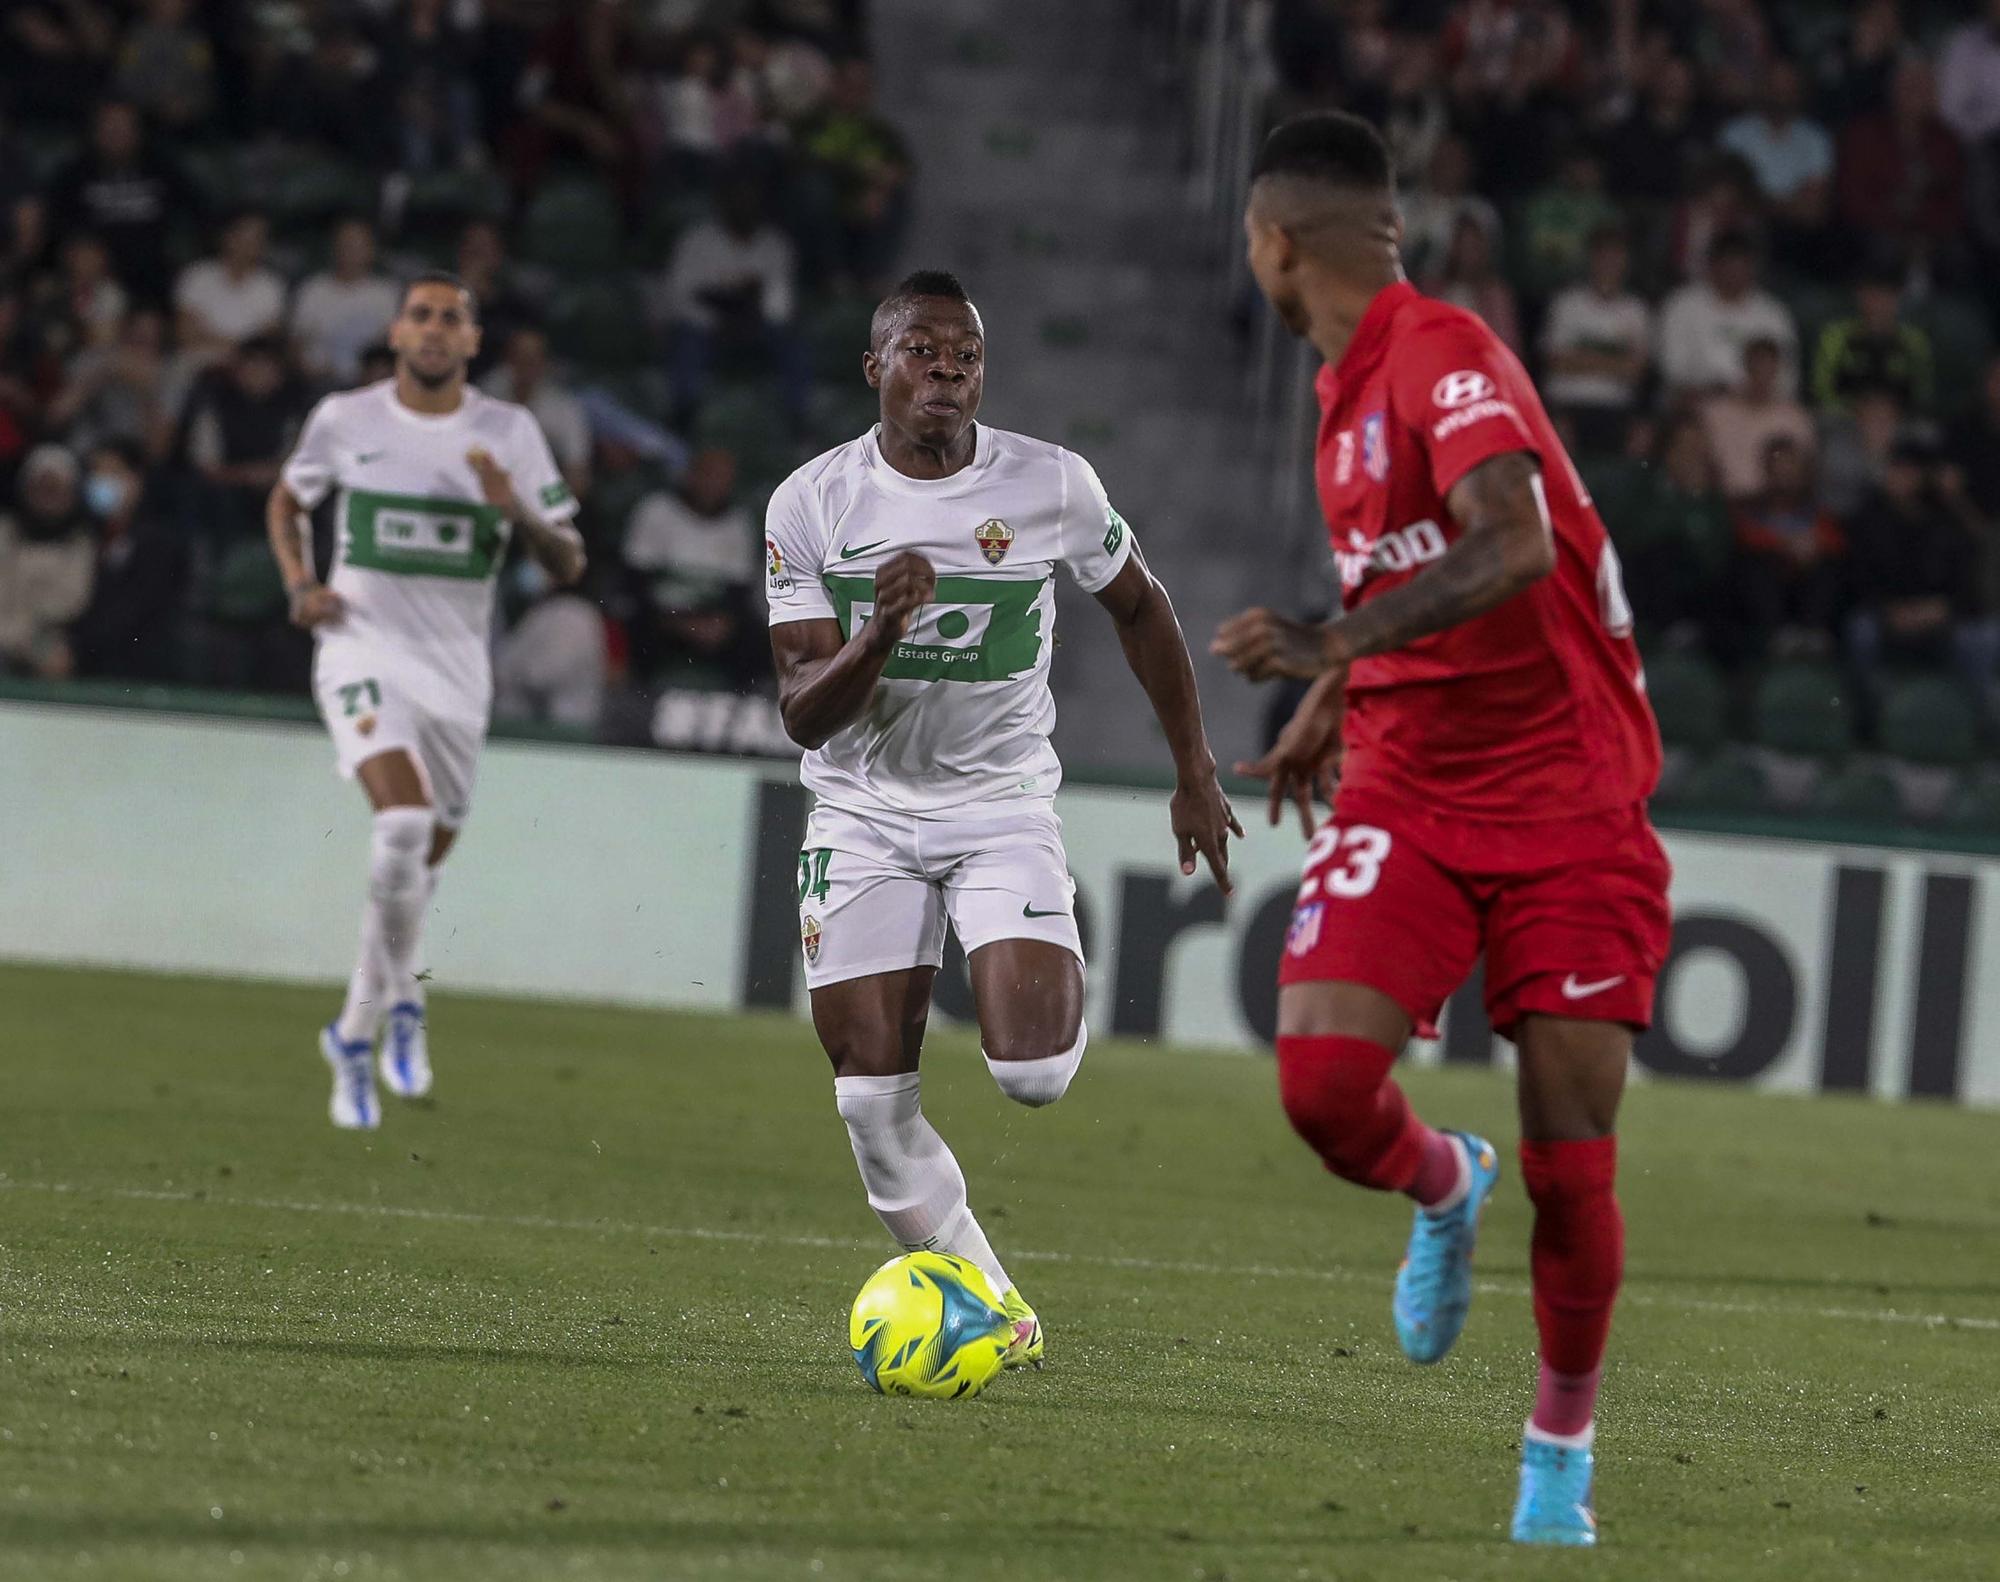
341	311
707	104
129	627
696	551
1860	70
1721	200
1596	345
730	283
868	163
1472	280
1675	538
20	402
242	419
1741	423
524	376
1855	445
1790	154
52	55
1431	212
126	393
1969	77
1705	327
46	557
1559	220
329	93
1789	574
129	194
1902	175
225	300
1655	147
90	304
1875	347
1732	45
1412	111
1915	576
481	262
575	97
166	67
1974	449
428	53
552	664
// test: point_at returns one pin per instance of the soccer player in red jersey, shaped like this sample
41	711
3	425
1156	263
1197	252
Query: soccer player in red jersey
1477	721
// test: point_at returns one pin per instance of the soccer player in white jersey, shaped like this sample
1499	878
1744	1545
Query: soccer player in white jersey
434	478
910	577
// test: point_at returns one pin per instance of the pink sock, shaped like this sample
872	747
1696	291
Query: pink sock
1438	1169
1564	1401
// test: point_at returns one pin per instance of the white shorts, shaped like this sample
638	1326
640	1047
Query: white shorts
875	889
367	712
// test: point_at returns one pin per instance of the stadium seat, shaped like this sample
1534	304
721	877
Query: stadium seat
1863	792
1975	805
440	198
1730	782
599	323
572	225
309	189
1960	345
748	420
1689	699
1930	720
836	334
1802	710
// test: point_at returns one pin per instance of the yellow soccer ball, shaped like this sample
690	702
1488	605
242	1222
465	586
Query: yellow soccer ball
928	1324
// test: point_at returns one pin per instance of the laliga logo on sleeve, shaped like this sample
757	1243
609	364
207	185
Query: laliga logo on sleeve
1461	389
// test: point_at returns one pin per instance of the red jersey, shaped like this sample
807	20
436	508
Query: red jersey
1535	710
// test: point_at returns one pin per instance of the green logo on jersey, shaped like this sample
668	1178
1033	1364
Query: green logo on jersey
861	549
555	494
1114	532
973	628
423	535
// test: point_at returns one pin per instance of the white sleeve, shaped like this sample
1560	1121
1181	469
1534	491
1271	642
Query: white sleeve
1094	541
795	556
537	478
309	469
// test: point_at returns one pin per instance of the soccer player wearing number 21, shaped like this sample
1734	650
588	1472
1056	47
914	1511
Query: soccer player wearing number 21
434	479
912	619
1491	801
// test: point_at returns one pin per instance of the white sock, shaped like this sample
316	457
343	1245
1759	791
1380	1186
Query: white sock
1582	1441
390	922
1038	1082
412	989
914	1184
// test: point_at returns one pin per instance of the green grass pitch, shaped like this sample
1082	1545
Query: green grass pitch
583	1317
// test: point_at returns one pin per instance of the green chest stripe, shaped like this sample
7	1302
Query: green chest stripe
423	535
974	629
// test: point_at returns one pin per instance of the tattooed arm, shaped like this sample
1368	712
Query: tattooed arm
1506	544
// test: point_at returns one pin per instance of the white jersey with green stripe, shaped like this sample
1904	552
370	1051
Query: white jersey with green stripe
417	546
963	712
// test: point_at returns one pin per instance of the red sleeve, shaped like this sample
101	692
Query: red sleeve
1464	394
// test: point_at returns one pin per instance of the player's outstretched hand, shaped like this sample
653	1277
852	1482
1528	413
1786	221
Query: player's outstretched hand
315	605
494	482
1262	644
1306	757
903	586
1203	821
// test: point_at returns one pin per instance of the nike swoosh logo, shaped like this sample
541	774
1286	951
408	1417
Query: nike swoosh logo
862	549
1029	911
1572	990
367	456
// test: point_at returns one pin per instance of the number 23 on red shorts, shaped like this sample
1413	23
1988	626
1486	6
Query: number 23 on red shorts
1571	915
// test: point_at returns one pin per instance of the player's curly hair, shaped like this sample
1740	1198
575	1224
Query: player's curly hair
1330	146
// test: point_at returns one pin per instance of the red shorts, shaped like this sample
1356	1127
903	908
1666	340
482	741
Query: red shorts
1570	914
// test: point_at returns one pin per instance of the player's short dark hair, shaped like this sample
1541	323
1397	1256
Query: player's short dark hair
1330	146
441	277
913	286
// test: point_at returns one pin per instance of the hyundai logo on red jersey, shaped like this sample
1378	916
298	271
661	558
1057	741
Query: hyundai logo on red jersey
1462	388
1375	446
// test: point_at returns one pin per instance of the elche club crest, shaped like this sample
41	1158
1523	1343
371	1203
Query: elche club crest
994	538
809	937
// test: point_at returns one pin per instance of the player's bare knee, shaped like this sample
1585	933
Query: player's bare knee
1031	1071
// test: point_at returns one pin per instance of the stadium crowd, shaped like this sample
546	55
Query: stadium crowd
1751	250
674	213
